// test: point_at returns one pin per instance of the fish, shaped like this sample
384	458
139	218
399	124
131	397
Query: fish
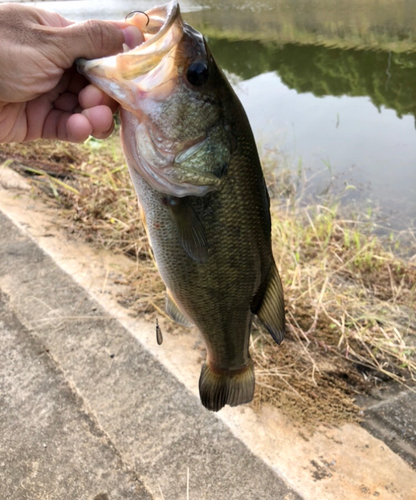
195	168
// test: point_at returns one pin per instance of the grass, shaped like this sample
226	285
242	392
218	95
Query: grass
350	297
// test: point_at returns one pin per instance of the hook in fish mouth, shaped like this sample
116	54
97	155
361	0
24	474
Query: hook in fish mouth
134	12
162	30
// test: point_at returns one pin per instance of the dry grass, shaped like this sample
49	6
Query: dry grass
350	312
350	299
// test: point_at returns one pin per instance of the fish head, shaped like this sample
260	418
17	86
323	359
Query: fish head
171	91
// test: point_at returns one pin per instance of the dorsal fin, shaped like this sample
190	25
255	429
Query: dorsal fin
270	307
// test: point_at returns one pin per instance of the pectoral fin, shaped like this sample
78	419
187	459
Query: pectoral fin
174	312
190	229
270	307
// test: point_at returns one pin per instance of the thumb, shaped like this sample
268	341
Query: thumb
94	39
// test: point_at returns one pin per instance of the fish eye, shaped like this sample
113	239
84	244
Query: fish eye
197	73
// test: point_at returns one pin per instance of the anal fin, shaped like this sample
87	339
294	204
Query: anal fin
270	308
174	312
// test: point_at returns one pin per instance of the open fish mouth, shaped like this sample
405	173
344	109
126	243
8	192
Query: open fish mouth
162	28
140	70
171	130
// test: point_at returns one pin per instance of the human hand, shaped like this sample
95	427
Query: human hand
41	93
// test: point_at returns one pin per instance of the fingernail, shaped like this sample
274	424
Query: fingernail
133	36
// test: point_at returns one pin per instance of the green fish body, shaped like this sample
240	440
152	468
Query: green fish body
195	167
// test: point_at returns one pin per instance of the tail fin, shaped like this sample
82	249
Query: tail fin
227	388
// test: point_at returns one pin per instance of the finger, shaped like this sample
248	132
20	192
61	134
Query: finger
93	39
132	37
66	126
101	120
40	123
54	126
37	112
106	133
92	96
66	102
78	128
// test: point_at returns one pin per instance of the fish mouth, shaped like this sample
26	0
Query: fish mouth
128	76
162	33
140	79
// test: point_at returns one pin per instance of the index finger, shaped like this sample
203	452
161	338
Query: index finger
92	96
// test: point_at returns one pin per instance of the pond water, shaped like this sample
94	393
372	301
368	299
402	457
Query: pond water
329	85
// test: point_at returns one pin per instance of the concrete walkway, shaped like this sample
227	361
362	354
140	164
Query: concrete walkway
91	408
51	445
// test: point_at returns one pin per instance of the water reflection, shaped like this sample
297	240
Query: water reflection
368	24
388	79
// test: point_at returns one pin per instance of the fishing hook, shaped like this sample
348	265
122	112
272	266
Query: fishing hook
133	12
159	334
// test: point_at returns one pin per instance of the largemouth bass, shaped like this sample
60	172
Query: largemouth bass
195	167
